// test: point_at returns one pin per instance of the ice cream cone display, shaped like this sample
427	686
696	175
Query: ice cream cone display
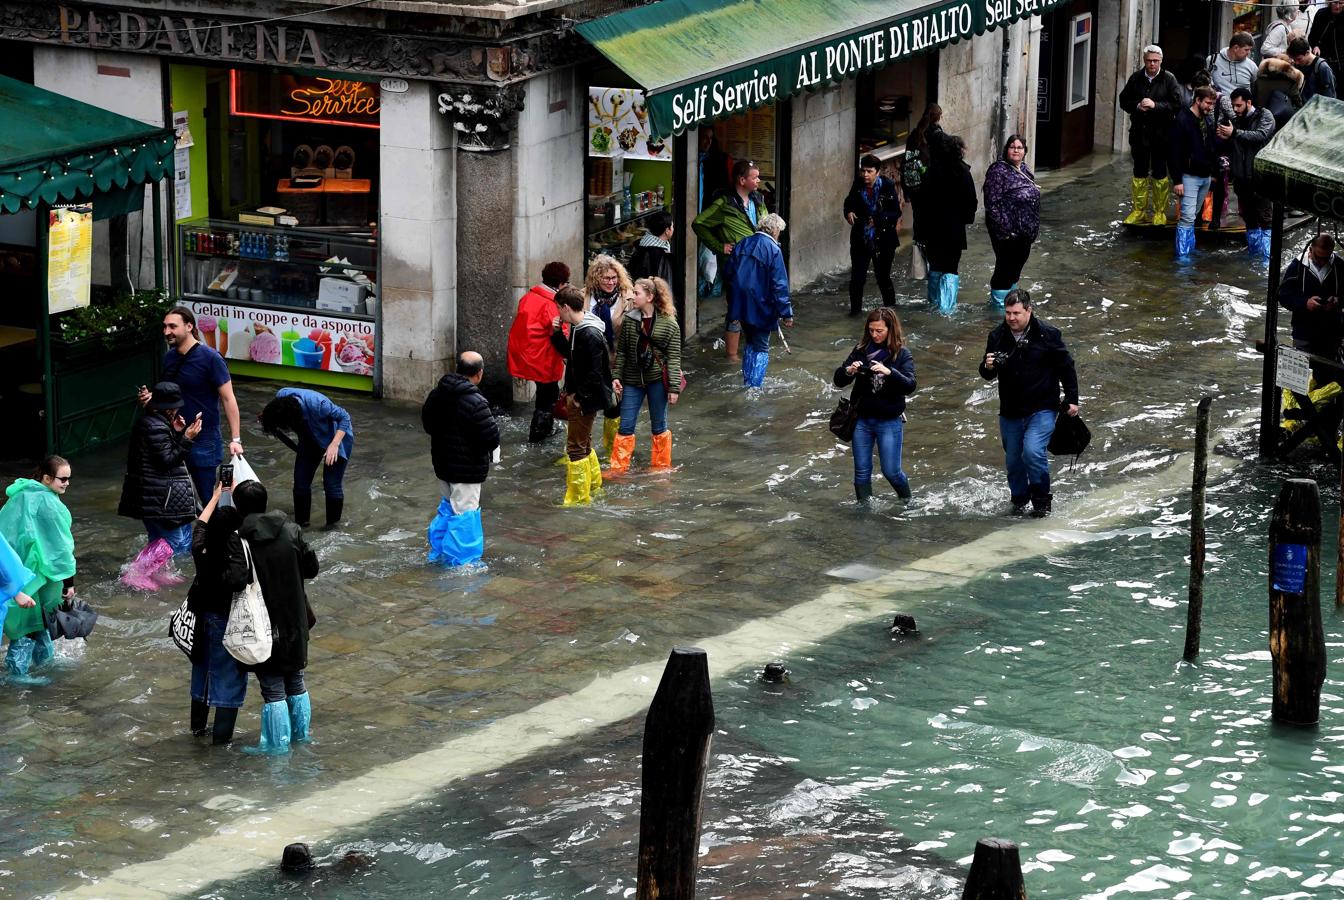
206	325
223	337
240	343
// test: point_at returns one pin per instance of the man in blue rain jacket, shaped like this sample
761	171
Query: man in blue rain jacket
760	296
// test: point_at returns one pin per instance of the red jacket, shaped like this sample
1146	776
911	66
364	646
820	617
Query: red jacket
531	355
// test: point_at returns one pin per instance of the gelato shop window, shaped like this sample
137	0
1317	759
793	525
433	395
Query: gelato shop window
276	184
629	172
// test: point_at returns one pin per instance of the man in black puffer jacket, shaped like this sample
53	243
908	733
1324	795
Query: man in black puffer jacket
158	488
463	437
1028	357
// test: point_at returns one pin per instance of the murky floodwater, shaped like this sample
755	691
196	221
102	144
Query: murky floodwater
1044	703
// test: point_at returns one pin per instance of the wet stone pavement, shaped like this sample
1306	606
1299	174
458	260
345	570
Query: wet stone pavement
100	770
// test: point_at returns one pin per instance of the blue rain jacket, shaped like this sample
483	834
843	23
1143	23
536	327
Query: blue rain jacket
323	418
13	576
760	283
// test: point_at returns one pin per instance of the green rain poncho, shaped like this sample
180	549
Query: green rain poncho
37	525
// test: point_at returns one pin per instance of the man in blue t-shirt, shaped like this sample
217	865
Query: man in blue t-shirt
203	377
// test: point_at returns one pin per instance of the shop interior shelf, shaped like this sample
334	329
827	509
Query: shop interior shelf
295	259
625	223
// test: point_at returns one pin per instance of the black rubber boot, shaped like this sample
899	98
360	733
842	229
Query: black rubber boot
864	492
543	425
199	713
1020	505
225	719
1040	506
335	506
303	508
903	491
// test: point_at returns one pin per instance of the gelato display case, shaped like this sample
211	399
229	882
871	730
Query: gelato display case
276	296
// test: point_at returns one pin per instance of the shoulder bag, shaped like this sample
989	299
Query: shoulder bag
182	628
843	420
247	637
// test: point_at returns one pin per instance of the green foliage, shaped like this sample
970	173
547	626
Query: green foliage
125	317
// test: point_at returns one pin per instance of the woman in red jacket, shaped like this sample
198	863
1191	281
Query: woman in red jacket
531	356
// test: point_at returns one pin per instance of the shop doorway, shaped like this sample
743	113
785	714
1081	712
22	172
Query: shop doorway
1187	32
1065	97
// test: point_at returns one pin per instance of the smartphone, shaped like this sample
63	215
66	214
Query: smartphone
226	475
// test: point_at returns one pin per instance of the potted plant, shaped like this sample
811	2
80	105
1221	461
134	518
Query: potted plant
117	322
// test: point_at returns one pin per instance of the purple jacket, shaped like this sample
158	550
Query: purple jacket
1012	202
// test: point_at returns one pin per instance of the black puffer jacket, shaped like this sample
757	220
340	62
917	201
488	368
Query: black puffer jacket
462	430
282	561
1031	377
221	570
158	484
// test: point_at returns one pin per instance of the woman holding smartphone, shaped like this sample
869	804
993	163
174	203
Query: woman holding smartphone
882	371
158	488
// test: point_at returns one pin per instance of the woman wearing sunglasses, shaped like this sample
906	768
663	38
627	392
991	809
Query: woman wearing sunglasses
36	525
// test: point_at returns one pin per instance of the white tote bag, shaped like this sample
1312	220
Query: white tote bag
919	267
242	471
247	637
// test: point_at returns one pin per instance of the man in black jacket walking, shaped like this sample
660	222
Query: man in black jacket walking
463	437
1028	357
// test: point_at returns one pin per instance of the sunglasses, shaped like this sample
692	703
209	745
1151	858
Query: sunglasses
63	479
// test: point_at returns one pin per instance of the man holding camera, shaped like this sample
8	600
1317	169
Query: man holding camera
1028	357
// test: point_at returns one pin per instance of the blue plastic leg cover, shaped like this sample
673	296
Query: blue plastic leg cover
935	281
1257	242
1185	241
274	730
455	539
948	285
300	717
753	367
43	649
19	660
997	297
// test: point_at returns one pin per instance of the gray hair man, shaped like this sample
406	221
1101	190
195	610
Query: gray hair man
761	294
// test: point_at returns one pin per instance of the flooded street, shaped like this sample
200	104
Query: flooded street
478	732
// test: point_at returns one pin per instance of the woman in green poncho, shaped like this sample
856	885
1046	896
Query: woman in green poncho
37	525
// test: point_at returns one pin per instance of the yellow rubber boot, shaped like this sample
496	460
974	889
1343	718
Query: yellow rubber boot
578	491
1138	194
662	451
594	472
609	427
1161	195
621	451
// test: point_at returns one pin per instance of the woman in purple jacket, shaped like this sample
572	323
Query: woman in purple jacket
1012	215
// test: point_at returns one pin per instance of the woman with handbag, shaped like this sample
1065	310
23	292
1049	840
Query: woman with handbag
882	371
648	365
221	571
37	526
158	488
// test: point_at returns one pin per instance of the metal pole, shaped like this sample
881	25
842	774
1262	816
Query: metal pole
44	328
1269	395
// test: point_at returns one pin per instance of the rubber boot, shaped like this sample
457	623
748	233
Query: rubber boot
609	429
1161	196
200	714
661	458
1138	193
225	720
948	286
303	508
335	506
274	730
1185	242
576	483
934	287
1020	505
594	473
863	492
621	451
1040	506
543	425
19	661
903	490
732	341
300	717
996	298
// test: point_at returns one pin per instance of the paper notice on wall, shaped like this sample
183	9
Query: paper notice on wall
618	126
182	184
69	256
301	338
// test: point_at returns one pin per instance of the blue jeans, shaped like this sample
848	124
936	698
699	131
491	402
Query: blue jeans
177	536
888	435
632	398
216	678
306	462
757	340
1193	201
1024	453
203	463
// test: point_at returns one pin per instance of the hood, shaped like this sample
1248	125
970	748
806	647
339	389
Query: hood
635	314
263	526
22	485
1283	69
590	320
456	385
653	240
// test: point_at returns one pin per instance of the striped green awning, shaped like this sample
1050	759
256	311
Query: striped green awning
701	60
1303	165
54	149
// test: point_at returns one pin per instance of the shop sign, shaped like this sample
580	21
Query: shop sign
297	338
394	85
300	98
190	36
69	256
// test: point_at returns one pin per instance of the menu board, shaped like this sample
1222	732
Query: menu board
751	135
301	338
618	126
69	256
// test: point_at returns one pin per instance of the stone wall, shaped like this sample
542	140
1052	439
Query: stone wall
822	171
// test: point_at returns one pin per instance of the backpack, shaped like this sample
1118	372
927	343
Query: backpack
912	170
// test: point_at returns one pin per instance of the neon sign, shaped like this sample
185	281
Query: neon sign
292	98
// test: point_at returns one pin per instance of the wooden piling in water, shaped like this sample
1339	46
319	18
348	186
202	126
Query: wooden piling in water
1339	556
677	736
1296	637
996	872
1194	611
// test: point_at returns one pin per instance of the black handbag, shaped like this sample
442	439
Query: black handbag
843	420
1071	435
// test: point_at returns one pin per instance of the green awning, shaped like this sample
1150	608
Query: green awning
1303	165
701	60
55	149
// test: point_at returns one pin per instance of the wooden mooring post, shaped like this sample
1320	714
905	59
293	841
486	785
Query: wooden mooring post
996	872
1339	557
1195	606
1296	637
677	736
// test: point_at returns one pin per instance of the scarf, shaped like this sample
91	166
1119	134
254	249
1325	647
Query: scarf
878	353
872	198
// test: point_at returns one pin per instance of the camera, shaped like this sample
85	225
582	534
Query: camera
1001	357
226	475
